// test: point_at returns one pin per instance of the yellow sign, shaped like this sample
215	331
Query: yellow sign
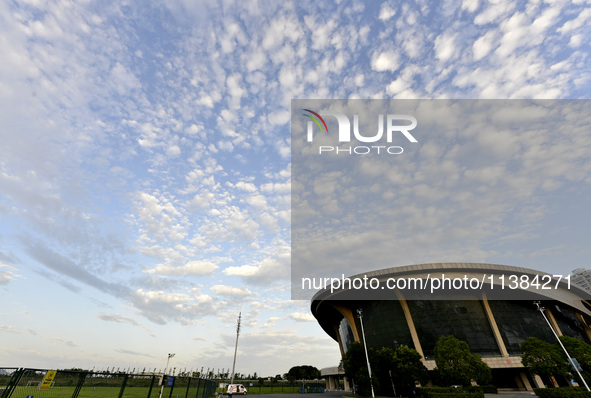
46	383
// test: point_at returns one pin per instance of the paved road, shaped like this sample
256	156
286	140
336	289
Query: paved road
327	394
339	394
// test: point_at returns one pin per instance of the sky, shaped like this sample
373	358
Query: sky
145	163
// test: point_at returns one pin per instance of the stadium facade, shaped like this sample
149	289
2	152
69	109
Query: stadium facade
494	317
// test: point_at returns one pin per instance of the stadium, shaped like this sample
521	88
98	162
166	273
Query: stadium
494	316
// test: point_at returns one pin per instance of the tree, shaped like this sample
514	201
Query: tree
457	365
543	358
402	367
581	352
355	367
303	372
408	370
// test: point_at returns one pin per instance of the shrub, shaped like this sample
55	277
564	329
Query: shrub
450	392
562	392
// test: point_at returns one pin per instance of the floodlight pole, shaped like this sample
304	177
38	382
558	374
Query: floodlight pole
360	316
167	361
570	360
236	347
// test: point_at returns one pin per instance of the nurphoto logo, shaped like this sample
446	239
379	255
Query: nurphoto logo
393	126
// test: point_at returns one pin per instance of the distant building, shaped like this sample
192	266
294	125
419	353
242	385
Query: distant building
582	277
493	321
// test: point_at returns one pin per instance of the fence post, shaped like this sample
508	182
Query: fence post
205	388
14	380
123	385
151	385
171	387
197	393
81	380
188	385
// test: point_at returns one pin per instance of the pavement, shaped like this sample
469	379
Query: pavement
340	394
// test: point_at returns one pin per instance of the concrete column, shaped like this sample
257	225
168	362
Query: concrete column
336	329
410	323
539	382
553	322
494	327
583	323
350	317
525	380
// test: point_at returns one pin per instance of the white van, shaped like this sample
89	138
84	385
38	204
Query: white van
236	389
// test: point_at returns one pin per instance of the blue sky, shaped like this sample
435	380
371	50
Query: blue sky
145	159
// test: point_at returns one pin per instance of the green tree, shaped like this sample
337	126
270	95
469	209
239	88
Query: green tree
402	367
457	365
355	366
408	370
543	358
581	352
303	372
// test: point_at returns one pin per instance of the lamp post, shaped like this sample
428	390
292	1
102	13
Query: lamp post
236	347
167	361
360	316
570	360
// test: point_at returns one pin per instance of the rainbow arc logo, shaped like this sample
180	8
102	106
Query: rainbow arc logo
317	119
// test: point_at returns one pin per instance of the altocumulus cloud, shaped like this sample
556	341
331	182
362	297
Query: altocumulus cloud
196	267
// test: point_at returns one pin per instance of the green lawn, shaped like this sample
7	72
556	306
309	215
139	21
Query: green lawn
179	391
106	392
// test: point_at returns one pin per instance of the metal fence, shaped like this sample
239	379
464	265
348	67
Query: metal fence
43	383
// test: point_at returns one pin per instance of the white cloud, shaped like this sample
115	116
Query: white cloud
258	201
271	269
118	318
445	47
302	317
279	118
386	12
582	19
483	46
9	329
385	61
173	150
493	11
124	79
232	291
7	274
195	267
246	186
243	270
234	89
159	306
470	5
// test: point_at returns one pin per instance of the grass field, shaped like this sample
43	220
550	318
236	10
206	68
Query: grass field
142	392
107	392
138	386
